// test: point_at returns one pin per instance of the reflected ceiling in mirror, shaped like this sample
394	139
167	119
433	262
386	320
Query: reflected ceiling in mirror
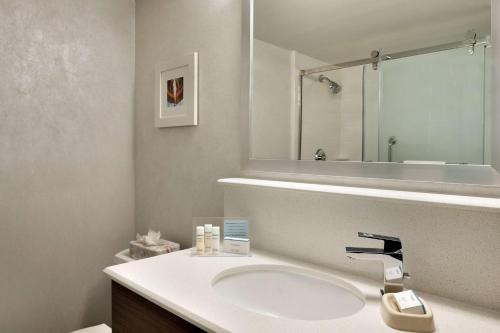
336	31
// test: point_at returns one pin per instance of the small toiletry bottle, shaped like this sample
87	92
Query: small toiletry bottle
200	239
208	238
215	240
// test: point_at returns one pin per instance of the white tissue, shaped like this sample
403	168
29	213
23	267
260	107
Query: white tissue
151	239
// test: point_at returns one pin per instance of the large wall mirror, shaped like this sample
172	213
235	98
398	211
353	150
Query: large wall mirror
390	82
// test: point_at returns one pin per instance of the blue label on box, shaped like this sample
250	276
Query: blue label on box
236	228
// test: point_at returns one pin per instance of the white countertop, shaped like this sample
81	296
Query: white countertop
182	284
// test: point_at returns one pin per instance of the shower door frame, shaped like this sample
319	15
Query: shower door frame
375	61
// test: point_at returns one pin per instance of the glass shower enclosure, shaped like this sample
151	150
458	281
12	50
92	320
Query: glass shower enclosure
428	108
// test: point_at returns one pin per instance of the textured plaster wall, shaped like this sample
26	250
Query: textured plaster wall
177	168
66	159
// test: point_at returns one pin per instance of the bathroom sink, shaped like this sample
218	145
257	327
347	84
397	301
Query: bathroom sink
288	292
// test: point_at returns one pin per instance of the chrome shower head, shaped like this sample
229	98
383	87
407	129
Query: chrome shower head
334	86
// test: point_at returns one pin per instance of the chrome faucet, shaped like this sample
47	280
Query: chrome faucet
391	256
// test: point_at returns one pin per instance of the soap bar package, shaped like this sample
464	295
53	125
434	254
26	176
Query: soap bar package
394	274
236	245
408	302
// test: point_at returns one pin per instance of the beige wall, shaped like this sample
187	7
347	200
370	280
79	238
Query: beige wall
177	168
66	163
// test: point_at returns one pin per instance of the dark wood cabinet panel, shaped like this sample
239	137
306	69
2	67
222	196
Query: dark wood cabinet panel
132	313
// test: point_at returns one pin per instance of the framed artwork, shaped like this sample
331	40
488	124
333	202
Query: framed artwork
177	92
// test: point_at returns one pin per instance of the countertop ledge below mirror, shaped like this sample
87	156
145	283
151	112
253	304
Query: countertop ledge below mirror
436	199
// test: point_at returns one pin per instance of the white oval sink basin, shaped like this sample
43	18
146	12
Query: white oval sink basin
288	292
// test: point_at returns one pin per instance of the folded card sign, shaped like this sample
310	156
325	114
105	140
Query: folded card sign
236	228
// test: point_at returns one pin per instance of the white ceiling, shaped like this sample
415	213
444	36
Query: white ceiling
341	30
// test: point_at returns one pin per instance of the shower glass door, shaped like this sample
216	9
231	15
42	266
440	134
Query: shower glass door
432	107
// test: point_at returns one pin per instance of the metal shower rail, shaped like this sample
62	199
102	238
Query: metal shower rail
376	57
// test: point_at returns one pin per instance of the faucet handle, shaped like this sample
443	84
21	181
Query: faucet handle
391	244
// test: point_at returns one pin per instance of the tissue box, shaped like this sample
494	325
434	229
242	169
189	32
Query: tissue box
140	251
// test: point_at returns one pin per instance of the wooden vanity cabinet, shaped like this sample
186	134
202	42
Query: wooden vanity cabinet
132	313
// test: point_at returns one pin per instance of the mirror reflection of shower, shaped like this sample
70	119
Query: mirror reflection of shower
334	86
